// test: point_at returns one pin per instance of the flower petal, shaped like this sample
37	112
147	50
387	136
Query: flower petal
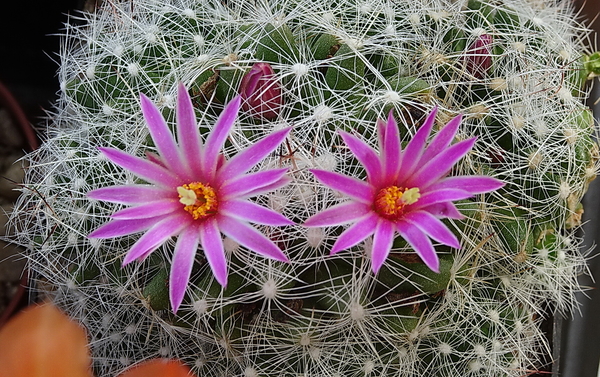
127	194
440	165
339	214
433	227
360	230
421	243
152	209
414	150
477	184
250	182
158	234
216	138
445	209
366	156
118	228
181	265
382	243
246	159
391	154
160	133
249	237
248	211
188	135
212	243
442	139
154	158
142	168
439	196
381	125
265	189
353	187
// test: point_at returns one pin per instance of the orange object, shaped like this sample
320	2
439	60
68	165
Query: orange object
41	341
158	368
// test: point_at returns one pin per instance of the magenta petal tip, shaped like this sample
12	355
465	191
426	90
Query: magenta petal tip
221	279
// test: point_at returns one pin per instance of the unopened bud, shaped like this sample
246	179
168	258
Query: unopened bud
478	58
261	92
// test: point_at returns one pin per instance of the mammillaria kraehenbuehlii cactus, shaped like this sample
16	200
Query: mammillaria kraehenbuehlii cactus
514	69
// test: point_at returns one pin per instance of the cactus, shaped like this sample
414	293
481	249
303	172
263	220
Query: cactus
515	70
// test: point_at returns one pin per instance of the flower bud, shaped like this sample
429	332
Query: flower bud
261	92
478	58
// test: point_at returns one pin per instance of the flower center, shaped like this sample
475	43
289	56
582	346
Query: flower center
199	200
390	201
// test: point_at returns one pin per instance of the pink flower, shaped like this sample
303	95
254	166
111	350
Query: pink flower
194	194
261	92
478	58
406	191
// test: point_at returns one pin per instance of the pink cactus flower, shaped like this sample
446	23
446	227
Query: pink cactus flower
406	191
193	194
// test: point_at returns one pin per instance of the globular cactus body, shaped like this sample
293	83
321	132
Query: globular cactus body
513	68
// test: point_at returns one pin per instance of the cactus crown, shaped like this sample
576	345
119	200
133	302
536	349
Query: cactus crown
513	68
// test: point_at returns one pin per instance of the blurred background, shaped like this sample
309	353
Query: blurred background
29	41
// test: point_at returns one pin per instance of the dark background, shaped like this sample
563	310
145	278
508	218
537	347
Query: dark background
29	43
28	47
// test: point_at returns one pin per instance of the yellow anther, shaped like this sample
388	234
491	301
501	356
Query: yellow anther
199	200
390	201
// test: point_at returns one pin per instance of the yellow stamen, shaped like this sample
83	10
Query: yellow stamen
199	200
390	201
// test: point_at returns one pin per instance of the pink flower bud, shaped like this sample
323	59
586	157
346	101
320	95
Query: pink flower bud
261	92
478	58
